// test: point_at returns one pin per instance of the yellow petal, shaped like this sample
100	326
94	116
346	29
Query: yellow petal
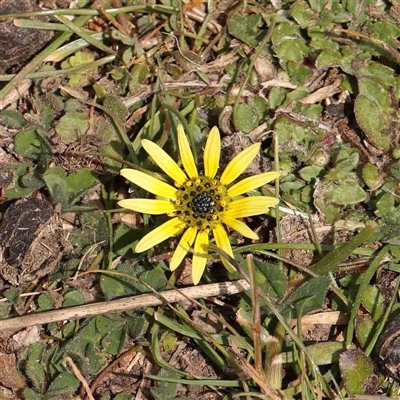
199	261
249	206
222	241
147	206
158	235
240	227
239	164
164	161
253	182
147	182
186	154
212	153
183	247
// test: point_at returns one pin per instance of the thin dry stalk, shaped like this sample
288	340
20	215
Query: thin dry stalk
258	378
126	304
256	316
110	367
273	359
79	376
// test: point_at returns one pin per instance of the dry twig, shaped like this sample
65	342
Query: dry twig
130	303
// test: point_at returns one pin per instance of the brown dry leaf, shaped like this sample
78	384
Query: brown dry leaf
323	93
9	376
26	337
265	69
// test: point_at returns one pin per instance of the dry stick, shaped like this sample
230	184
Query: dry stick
109	369
126	304
256	315
80	377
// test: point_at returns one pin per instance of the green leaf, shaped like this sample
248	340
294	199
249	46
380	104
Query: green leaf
395	170
138	76
123	396
72	105
328	58
114	147
310	172
28	143
349	155
12	295
378	72
47	116
125	240
357	371
245	28
165	390
373	121
373	300
12	119
299	73
94	230
63	384
246	321
116	108
137	326
385	206
343	166
46	302
259	106
287	130
371	176
276	278
72	126
302	13
291	186
79	183
364	329
309	296
30	394
119	286
374	91
104	324
386	31
79	58
32	180
323	353
96	359
297	94
114	341
276	97
319	39
155	278
56	182
291	50
346	194
285	31
85	349
118	35
34	368
5	310
245	118
74	298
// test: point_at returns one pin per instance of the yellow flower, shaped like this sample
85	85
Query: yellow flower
199	203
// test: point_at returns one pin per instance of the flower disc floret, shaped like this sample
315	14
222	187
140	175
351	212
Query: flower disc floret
201	202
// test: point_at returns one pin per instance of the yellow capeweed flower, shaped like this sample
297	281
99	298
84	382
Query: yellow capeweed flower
199	203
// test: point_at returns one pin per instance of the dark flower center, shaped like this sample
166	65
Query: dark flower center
200	202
